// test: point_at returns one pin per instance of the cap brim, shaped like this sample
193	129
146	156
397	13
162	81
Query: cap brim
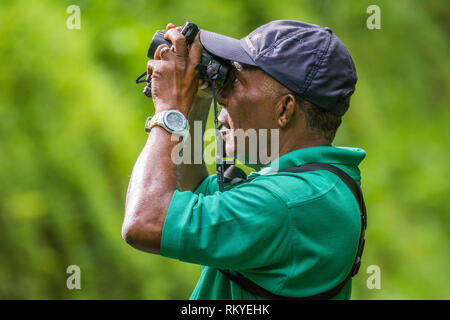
225	47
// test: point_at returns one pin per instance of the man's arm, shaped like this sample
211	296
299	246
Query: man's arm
151	187
153	181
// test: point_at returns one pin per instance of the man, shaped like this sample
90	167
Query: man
292	234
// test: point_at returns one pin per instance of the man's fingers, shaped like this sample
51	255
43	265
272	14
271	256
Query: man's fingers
166	54
152	65
170	26
149	67
178	41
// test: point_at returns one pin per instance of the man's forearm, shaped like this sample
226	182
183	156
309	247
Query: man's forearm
191	174
150	191
154	180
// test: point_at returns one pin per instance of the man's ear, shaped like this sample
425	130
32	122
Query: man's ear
285	110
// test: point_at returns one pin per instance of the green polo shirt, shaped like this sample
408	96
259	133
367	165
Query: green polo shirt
295	234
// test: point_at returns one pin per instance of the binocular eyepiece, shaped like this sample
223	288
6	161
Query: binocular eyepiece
211	68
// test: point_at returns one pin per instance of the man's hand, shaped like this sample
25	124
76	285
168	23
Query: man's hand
174	77
191	174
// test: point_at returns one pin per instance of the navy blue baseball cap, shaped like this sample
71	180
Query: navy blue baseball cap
306	58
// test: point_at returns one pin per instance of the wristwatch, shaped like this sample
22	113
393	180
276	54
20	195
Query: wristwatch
172	120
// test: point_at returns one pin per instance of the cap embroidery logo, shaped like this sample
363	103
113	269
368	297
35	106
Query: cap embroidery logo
249	44
256	36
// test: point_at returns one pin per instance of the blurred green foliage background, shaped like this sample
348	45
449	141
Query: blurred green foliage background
71	128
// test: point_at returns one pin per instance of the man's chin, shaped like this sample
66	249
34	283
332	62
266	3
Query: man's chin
229	150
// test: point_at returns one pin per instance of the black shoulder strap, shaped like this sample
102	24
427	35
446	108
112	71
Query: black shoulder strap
257	290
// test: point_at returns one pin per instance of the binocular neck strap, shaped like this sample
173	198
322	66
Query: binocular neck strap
219	142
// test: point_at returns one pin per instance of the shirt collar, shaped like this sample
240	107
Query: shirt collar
346	156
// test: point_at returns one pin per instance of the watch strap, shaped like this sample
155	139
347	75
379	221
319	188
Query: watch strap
158	120
147	124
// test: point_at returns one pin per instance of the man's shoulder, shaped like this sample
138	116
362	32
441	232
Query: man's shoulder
297	187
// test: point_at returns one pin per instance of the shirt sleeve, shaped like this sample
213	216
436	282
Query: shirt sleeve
208	186
240	229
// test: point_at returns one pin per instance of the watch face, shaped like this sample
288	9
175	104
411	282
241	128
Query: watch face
175	121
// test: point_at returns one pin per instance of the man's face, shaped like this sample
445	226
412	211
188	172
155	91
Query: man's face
248	106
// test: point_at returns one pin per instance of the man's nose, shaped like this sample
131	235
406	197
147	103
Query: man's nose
222	118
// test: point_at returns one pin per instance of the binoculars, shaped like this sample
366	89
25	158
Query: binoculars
211	68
